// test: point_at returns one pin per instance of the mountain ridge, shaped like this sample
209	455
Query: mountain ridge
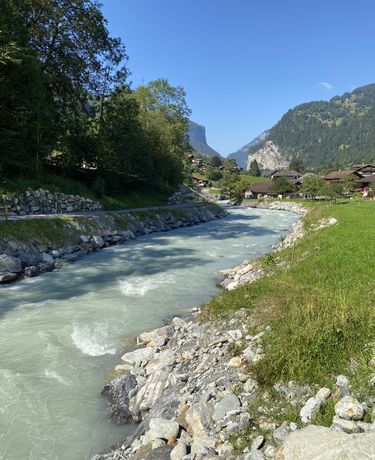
336	133
242	153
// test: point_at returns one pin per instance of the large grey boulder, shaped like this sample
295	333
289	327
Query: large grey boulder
321	443
118	393
228	403
10	264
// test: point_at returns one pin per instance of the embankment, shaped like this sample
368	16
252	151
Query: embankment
197	386
32	246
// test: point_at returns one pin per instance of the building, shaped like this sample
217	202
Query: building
289	175
337	176
364	168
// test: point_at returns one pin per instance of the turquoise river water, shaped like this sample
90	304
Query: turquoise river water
60	333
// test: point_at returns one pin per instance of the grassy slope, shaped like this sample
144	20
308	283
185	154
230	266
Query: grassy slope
321	308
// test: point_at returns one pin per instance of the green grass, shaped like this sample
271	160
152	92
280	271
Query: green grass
247	180
321	308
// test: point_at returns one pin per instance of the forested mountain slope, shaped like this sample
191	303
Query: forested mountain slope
338	132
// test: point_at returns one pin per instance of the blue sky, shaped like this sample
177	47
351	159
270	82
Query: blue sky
244	63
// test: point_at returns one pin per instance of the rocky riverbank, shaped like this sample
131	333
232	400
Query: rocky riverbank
190	388
31	247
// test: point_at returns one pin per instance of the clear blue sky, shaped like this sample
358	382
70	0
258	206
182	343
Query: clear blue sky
244	63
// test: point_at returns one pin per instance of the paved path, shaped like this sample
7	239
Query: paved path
96	213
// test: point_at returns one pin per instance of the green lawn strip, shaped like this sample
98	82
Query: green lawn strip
321	307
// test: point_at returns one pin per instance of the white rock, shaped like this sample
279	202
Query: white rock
158	443
323	394
179	451
342	381
236	361
161	428
349	408
250	386
310	409
228	403
318	442
235	334
139	357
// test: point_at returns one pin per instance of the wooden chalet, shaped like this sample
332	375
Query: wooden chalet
336	176
365	168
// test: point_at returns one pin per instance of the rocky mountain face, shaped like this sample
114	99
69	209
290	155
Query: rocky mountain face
197	140
269	156
336	133
241	154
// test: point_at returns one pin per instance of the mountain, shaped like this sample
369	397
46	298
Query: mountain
269	157
197	140
241	155
336	133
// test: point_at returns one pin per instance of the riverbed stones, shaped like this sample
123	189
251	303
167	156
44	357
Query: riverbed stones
161	428
118	391
139	357
228	403
9	264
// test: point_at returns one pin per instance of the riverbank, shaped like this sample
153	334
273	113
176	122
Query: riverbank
222	388
34	246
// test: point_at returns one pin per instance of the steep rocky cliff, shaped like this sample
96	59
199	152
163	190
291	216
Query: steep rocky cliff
197	139
269	156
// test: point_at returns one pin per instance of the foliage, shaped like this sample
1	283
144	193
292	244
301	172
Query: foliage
282	185
296	164
335	133
311	185
213	173
216	161
65	105
254	169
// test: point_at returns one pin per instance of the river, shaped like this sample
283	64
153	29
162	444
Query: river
61	333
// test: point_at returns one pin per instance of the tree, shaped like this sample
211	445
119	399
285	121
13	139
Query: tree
213	174
254	169
296	164
282	185
216	161
230	165
311	185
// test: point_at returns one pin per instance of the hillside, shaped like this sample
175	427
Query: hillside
338	132
197	139
241	154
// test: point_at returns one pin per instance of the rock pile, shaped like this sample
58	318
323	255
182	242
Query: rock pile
188	386
44	202
188	389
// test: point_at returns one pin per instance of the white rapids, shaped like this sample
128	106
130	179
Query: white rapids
61	333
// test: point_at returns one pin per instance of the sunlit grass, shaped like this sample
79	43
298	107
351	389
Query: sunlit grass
322	306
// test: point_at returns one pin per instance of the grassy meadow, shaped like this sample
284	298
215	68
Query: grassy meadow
320	302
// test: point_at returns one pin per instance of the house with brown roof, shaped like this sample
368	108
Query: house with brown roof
289	175
259	188
336	176
365	168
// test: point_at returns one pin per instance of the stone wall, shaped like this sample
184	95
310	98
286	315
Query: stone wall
44	202
46	243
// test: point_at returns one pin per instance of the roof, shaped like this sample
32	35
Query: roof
261	187
337	175
363	165
370	178
286	173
